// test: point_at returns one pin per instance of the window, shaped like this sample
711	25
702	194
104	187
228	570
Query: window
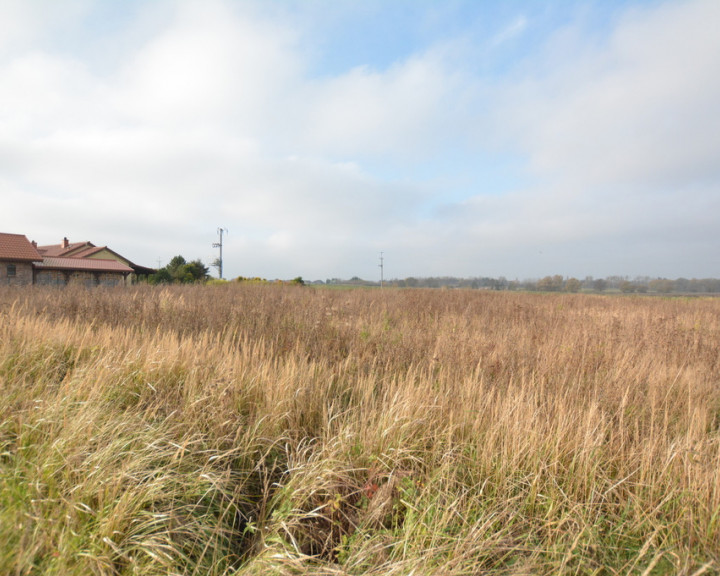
11	270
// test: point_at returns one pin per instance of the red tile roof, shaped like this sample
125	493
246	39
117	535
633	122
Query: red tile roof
67	256
86	252
85	264
17	247
62	249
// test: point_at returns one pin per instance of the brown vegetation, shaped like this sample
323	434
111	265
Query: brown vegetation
257	429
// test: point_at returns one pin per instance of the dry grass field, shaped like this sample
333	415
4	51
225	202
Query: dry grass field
249	429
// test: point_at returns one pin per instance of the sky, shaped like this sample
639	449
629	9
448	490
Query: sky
463	138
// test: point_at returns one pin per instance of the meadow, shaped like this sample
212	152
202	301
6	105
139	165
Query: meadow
261	429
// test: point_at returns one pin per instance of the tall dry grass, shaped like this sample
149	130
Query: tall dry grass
286	430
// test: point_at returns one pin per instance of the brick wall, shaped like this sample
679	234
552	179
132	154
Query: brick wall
49	278
88	279
16	273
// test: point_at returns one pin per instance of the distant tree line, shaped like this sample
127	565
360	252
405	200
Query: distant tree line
297	281
179	271
555	283
638	285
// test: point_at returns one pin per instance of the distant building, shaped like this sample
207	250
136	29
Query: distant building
17	260
23	263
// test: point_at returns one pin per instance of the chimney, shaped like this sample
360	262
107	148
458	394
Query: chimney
65	242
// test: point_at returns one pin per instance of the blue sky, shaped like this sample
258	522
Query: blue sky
465	138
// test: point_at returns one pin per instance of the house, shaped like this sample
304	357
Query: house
88	251
24	262
17	259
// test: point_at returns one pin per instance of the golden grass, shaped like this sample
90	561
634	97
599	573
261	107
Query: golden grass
286	430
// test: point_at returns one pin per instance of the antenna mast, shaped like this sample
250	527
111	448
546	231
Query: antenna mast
381	269
219	245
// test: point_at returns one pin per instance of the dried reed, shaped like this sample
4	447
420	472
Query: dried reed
272	429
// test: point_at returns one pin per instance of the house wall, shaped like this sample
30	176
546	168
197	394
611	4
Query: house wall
107	255
23	274
88	279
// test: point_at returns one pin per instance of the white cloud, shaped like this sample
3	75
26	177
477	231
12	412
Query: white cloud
512	31
622	141
401	112
25	25
208	117
208	67
641	109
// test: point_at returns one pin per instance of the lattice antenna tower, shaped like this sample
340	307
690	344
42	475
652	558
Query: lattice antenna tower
219	245
381	269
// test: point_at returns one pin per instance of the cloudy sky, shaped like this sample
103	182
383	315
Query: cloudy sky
458	137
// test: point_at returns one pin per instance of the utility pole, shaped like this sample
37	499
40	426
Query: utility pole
220	245
381	269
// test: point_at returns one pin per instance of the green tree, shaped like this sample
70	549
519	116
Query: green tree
573	285
550	283
176	270
162	276
180	271
661	285
197	271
